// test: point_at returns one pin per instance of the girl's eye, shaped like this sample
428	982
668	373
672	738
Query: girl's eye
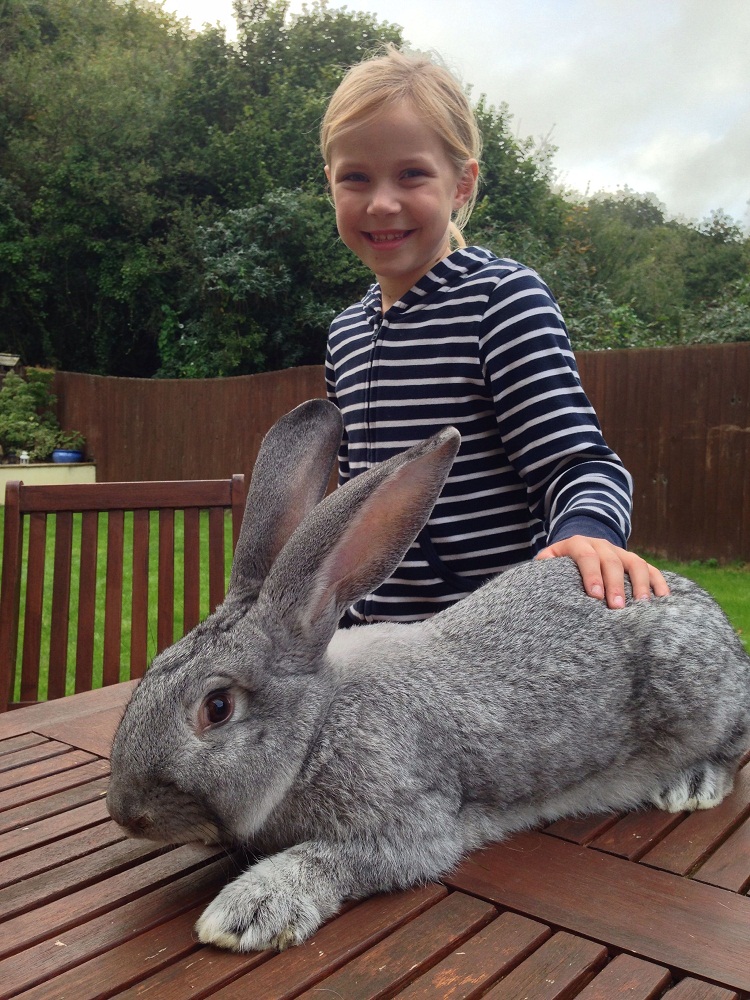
414	172
354	178
217	709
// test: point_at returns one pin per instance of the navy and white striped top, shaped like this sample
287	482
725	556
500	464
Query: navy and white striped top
478	342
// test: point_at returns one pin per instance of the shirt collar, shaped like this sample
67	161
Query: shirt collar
448	271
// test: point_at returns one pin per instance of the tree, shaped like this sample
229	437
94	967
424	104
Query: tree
273	277
162	203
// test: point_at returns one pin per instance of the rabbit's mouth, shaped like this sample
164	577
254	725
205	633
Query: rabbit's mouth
143	828
158	820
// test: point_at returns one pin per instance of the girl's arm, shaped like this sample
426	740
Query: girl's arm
577	486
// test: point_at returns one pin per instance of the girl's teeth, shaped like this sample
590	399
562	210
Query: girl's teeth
379	238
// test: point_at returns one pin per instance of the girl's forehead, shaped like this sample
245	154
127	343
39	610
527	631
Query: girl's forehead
393	130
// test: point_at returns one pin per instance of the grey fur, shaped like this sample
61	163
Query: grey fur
375	758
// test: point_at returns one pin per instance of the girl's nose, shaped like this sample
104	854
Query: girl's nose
384	200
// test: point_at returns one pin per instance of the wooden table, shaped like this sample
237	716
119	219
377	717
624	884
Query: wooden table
641	906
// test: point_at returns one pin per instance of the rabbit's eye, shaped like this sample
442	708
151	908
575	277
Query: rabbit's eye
217	708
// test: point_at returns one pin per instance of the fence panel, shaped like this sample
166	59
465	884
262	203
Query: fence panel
678	417
680	420
145	429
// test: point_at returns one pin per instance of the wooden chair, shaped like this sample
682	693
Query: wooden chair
51	588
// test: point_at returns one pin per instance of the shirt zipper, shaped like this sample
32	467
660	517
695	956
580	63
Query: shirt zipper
369	392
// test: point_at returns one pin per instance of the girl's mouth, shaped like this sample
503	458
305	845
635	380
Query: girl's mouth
389	237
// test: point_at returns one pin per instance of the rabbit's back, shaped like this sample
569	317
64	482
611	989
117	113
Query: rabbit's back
566	667
528	687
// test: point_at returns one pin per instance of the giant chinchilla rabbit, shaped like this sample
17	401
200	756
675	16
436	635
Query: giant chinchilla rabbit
374	758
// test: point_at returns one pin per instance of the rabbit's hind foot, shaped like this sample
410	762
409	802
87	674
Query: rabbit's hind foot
702	786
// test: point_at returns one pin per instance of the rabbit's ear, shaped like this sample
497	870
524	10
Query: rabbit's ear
290	476
356	537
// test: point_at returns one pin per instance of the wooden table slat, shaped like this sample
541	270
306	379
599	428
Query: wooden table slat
401	957
41	833
627	976
701	832
102	931
60	852
197	974
51	764
479	962
15	743
582	829
556	971
53	795
95	736
634	908
77	709
124	964
694	989
37	748
636	832
337	942
39	891
729	865
109	893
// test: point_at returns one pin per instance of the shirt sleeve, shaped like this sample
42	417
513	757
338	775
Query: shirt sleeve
548	427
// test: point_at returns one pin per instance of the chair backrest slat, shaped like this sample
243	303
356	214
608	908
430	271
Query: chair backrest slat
113	596
32	630
140	602
10	588
60	624
165	597
191	567
95	597
87	593
215	560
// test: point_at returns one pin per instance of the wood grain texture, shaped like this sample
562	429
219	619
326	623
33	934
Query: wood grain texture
686	924
480	961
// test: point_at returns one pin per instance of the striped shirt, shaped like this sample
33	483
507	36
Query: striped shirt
478	342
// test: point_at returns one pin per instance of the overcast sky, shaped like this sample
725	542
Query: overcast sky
649	94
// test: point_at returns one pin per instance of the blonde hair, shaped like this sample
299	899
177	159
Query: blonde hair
373	86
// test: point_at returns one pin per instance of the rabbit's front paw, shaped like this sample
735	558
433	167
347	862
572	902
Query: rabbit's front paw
266	907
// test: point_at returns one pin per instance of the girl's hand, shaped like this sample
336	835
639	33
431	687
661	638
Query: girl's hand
603	566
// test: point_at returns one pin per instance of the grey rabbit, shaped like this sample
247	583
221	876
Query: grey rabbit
374	758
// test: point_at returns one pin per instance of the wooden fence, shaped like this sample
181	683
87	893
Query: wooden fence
678	417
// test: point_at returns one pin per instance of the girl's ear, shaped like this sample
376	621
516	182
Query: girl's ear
466	184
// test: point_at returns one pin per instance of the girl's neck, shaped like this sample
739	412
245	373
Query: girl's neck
391	289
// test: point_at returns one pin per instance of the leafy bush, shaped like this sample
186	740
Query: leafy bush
28	421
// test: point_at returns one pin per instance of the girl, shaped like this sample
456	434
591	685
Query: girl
458	336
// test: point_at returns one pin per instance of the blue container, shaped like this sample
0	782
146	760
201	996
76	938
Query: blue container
66	455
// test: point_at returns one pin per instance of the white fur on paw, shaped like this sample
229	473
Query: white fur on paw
258	911
703	788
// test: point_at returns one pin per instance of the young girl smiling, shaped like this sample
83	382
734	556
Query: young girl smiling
459	336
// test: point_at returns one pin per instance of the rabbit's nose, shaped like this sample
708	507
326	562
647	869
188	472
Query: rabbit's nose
134	825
